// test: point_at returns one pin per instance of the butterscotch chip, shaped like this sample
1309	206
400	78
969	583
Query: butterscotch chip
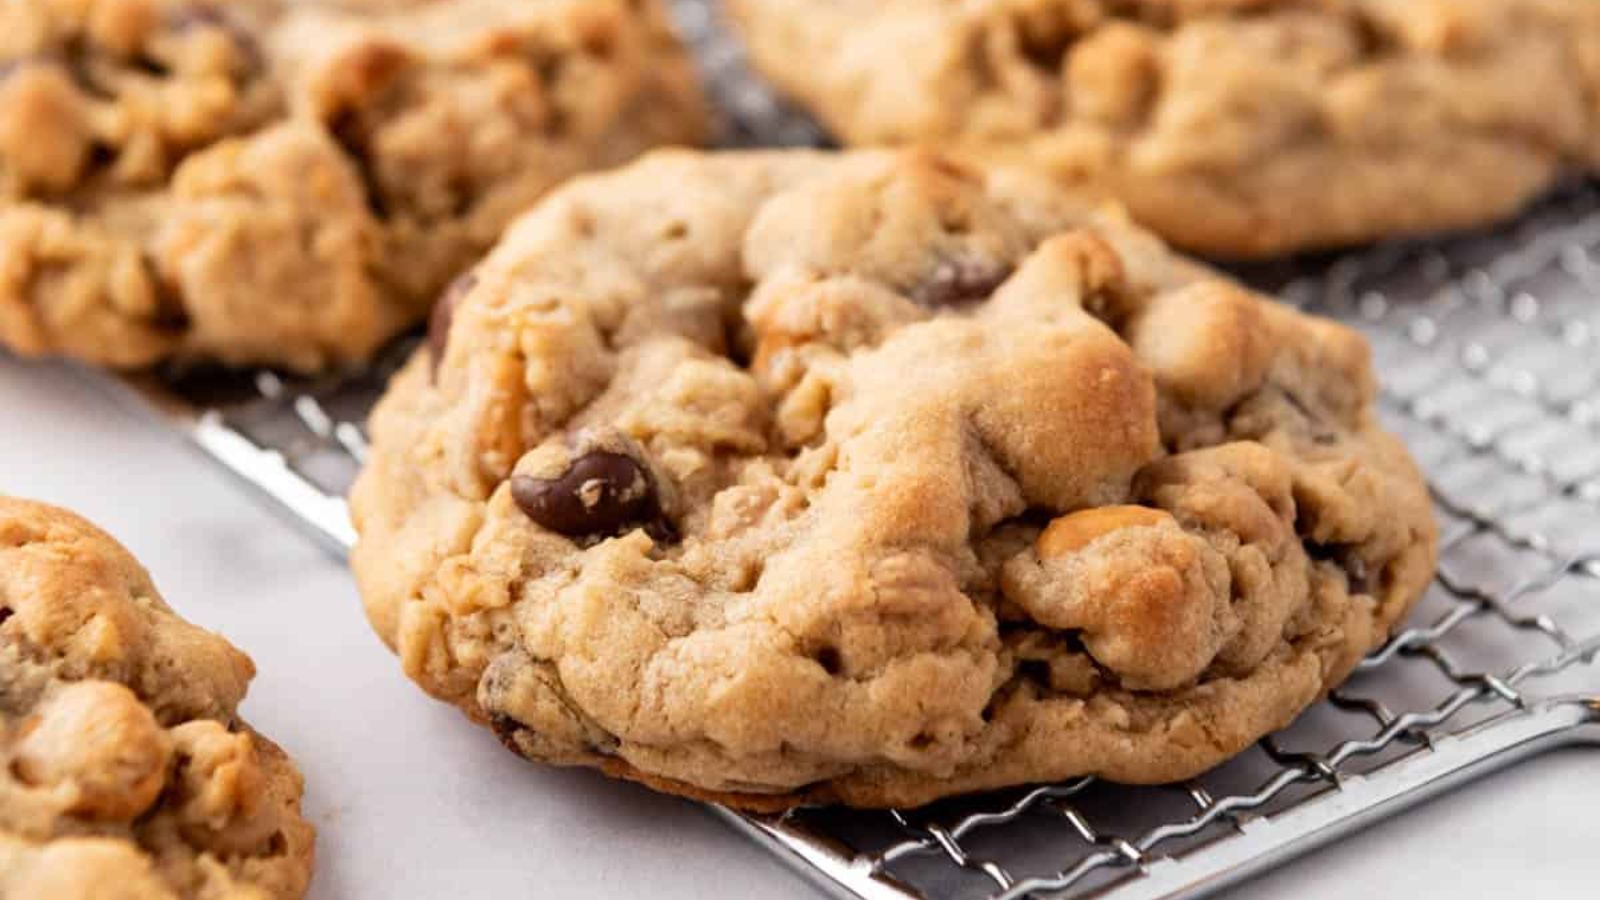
293	182
1238	128
96	741
708	492
128	772
1077	530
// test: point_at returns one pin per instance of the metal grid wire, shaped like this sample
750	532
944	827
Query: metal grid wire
1489	350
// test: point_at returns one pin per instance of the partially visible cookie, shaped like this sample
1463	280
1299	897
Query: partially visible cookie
125	770
1239	128
876	478
291	183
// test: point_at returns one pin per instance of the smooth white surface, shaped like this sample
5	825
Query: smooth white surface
412	801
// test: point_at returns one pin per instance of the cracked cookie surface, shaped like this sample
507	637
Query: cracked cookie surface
291	183
1238	128
874	478
127	770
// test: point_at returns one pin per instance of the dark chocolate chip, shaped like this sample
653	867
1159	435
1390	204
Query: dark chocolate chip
444	313
957	281
5	613
602	494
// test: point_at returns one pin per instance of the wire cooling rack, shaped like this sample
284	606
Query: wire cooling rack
1489	349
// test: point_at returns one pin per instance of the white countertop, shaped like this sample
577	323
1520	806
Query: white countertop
411	800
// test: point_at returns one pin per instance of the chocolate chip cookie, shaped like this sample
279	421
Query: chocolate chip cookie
875	478
127	771
291	182
1238	128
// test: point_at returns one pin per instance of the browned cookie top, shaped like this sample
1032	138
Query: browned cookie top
291	183
1233	127
876	478
127	772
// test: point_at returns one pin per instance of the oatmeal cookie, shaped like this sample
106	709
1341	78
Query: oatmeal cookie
875	478
291	182
1238	128
128	772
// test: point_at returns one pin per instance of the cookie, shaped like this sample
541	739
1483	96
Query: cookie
128	772
292	182
1237	128
874	478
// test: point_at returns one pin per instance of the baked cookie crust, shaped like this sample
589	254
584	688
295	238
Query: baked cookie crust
291	183
875	478
1236	128
127	771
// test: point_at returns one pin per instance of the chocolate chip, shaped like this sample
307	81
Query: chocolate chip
957	281
602	494
444	313
5	613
